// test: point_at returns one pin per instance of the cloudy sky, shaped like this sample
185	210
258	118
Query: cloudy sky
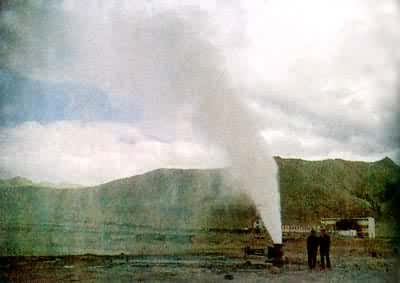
99	90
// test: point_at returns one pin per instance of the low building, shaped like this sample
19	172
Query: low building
364	226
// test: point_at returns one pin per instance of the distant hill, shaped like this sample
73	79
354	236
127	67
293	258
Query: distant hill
136	215
23	182
37	219
164	198
309	190
62	185
15	182
330	188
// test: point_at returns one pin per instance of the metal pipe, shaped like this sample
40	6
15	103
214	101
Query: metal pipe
275	254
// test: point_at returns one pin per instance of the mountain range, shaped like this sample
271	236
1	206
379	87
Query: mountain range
39	219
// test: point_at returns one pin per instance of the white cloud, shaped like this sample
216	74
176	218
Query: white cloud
91	153
313	147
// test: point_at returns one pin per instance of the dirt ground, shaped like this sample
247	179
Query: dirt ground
352	261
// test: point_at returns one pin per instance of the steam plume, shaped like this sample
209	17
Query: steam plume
164	57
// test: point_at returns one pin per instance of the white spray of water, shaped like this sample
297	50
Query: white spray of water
169	59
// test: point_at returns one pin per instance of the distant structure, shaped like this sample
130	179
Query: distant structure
300	229
350	227
361	227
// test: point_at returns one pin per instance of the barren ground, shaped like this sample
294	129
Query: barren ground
353	261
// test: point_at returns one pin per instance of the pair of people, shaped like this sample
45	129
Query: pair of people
323	242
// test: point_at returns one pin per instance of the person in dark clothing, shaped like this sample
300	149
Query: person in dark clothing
324	245
312	248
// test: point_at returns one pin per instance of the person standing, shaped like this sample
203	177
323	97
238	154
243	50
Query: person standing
312	249
324	246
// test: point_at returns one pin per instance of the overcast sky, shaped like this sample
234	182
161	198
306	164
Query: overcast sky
89	91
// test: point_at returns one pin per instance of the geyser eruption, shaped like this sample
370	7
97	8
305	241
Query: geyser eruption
230	124
166	56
